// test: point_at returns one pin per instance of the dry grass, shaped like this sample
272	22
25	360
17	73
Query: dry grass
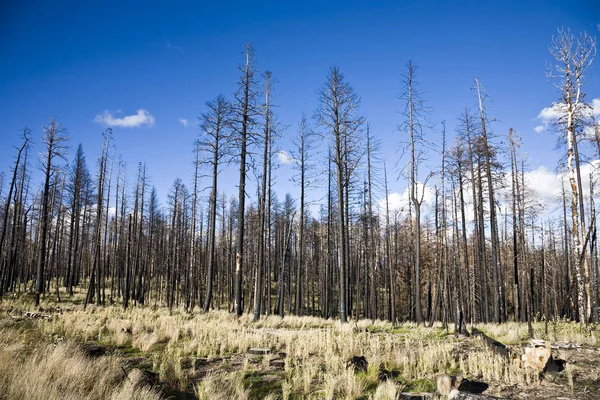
559	330
316	351
62	371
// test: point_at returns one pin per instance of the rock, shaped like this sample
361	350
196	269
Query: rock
257	351
536	357
142	377
358	363
384	374
277	364
445	383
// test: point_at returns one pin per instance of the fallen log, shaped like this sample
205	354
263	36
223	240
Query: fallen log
416	396
30	314
259	351
555	345
495	346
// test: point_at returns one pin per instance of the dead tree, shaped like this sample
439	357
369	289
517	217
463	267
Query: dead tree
54	139
26	133
245	111
574	56
414	123
496	279
337	114
214	125
268	122
304	169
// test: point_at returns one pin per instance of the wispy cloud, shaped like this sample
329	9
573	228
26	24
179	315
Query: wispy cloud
539	128
178	48
184	121
284	157
598	26
141	118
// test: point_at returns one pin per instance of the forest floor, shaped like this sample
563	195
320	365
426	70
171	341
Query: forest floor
60	351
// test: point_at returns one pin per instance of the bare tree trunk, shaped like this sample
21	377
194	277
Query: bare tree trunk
498	285
245	110
258	288
53	139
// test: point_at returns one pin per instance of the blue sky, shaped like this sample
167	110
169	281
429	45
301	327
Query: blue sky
75	60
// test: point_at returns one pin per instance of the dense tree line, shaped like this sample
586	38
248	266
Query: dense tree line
482	251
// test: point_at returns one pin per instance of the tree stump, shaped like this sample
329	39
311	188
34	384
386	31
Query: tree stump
358	363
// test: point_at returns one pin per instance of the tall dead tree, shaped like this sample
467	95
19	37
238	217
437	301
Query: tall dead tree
94	286
514	144
574	56
268	122
413	125
26	134
390	265
245	110
496	280
79	176
213	144
54	139
303	144
337	114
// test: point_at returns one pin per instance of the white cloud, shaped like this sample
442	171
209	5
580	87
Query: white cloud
539	128
596	107
395	202
549	114
184	121
546	185
598	26
284	157
400	201
141	118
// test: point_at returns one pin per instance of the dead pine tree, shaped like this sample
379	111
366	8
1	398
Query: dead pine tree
514	144
213	145
337	114
414	124
245	110
488	160
390	265
267	131
26	137
574	56
304	179
54	139
95	279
